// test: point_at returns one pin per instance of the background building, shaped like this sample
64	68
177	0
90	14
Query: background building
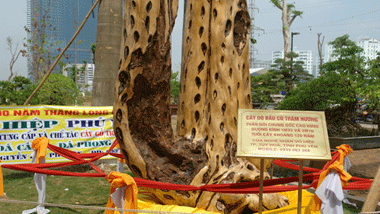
370	49
370	46
65	18
85	77
261	64
305	56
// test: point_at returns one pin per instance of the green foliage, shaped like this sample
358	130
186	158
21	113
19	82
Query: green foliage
17	91
74	71
93	50
353	69
290	72
59	90
319	94
370	89
284	76
349	63
343	81
174	87
265	85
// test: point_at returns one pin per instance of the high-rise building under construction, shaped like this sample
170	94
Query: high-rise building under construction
63	19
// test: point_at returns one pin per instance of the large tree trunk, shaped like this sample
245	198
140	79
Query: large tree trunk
215	83
108	43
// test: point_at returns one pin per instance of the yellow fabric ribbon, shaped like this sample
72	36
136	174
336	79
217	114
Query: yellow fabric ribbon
1	182
343	150
40	145
118	180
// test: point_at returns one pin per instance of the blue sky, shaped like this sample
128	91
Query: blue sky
332	18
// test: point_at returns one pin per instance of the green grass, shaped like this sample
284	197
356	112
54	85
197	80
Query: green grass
80	191
348	209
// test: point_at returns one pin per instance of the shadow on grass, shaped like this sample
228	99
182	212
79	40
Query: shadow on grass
12	174
56	209
61	209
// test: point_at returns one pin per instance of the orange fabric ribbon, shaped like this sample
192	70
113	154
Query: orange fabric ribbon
118	180
121	160
343	150
1	182
40	145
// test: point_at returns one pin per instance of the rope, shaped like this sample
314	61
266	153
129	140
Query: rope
85	207
242	188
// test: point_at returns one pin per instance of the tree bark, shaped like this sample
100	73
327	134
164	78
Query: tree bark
108	43
215	83
320	46
285	28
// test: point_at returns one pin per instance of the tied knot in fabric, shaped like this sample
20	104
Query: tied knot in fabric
40	145
119	180
338	166
121	160
344	150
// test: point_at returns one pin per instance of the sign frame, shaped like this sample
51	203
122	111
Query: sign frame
283	142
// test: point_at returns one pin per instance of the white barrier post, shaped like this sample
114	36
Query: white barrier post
40	181
120	164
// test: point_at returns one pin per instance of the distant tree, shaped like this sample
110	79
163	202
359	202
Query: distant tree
59	90
344	81
75	72
339	84
41	44
351	67
290	72
289	14
174	87
264	86
320	45
15	54
16	91
93	50
319	94
370	89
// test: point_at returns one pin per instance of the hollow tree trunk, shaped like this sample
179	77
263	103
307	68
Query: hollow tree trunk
215	82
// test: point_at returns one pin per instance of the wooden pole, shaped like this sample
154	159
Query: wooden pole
300	181
261	185
61	54
373	196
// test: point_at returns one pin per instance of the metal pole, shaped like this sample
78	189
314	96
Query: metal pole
291	43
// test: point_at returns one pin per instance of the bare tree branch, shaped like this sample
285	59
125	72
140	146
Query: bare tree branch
296	13
14	54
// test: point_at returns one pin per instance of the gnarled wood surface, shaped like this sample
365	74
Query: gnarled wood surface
215	83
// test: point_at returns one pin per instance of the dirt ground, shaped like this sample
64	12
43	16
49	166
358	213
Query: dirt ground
365	164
